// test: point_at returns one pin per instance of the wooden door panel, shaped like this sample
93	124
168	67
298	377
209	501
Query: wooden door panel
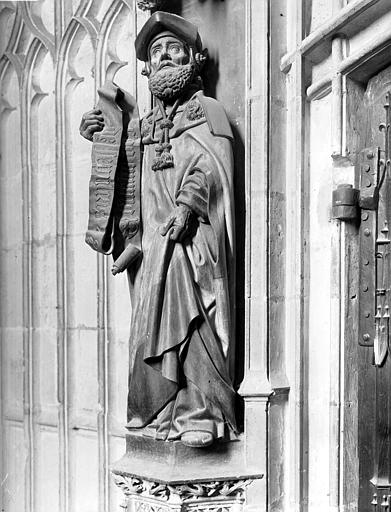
374	388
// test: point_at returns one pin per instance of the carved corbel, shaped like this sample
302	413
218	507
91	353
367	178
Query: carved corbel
213	496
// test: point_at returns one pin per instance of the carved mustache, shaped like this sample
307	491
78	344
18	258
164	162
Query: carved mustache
167	63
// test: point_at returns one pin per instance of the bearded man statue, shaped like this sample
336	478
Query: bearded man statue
182	273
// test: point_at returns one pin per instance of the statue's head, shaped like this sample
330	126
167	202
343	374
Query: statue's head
172	51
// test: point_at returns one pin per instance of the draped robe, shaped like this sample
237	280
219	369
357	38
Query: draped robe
182	319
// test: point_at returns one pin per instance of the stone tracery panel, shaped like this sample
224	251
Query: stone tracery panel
53	56
11	304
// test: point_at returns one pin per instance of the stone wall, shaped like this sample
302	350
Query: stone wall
64	323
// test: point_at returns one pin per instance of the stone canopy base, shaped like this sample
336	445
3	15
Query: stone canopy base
158	476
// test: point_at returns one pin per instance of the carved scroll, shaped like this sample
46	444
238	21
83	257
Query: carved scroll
115	179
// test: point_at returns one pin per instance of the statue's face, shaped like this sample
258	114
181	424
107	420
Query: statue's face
171	68
168	51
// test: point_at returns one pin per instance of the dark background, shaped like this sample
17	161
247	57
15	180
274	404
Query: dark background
221	24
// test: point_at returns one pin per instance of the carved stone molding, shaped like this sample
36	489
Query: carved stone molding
213	496
144	506
181	492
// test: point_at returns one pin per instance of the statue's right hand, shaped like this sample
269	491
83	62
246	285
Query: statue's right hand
90	123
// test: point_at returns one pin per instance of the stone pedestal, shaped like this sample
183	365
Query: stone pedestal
157	476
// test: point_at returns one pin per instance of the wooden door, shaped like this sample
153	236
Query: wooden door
374	357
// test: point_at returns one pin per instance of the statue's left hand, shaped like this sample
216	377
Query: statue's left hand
178	224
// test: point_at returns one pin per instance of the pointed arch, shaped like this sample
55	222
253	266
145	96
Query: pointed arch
106	42
37	28
9	56
67	79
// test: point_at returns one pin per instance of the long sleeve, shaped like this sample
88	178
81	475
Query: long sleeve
194	194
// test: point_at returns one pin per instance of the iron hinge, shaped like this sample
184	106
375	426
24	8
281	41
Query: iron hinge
368	201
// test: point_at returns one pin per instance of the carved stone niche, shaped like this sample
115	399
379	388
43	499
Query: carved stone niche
171	477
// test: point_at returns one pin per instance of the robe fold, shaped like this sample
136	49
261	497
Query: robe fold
182	320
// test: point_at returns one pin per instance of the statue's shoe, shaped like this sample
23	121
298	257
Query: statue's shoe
197	439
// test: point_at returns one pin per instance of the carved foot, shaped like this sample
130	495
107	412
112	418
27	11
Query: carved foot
197	439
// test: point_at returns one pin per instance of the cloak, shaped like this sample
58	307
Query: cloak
182	318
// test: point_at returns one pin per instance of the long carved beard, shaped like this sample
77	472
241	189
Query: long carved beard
169	83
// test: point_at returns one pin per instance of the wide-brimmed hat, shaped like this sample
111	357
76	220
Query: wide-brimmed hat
161	22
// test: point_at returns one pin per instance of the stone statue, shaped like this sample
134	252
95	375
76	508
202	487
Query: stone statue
167	216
